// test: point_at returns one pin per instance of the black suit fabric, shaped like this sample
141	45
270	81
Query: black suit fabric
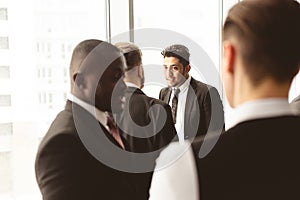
66	170
148	131
203	109
257	159
153	131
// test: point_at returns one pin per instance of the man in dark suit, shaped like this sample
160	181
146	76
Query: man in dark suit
75	158
147	121
197	107
257	157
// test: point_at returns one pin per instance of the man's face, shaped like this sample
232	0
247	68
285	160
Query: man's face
109	92
175	73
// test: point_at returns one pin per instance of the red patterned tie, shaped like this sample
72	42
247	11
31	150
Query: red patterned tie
113	129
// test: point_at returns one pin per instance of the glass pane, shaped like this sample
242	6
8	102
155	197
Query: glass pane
42	35
5	129
3	13
5	100
4	43
199	21
4	72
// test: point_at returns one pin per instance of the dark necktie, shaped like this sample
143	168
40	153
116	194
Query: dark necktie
113	129
174	104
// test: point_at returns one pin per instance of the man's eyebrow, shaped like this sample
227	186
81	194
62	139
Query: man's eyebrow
172	65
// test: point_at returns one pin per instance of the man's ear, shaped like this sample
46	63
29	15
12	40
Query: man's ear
188	68
140	71
229	57
78	80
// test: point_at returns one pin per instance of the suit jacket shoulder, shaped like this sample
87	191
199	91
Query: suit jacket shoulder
257	158
65	169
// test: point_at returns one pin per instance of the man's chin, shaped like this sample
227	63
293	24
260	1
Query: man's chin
171	84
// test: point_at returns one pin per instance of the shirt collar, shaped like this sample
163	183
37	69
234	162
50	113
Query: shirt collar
257	109
129	84
98	114
185	84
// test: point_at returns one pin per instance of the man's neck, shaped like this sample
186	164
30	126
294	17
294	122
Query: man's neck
266	89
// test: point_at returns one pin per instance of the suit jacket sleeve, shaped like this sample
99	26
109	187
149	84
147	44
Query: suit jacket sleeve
213	109
56	169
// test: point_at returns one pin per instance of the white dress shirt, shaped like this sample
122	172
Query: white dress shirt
181	108
129	84
175	175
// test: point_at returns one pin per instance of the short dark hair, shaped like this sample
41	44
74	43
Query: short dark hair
80	52
268	35
132	54
178	51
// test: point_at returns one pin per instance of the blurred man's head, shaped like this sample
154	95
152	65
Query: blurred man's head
176	64
96	72
261	40
133	55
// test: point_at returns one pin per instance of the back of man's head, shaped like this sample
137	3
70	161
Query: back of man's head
268	37
92	56
132	54
80	53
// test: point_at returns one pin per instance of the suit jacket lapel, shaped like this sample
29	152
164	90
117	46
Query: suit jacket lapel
189	103
166	95
69	107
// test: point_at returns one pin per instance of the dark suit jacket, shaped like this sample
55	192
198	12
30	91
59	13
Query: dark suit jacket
148	114
65	169
257	159
143	116
203	105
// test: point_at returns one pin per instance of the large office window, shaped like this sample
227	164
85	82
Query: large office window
36	43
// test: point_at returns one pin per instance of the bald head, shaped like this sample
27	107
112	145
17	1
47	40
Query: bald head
79	54
96	71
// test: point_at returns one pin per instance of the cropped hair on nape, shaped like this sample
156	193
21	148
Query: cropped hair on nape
268	36
132	54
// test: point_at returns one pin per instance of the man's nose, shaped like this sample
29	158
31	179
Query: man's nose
169	72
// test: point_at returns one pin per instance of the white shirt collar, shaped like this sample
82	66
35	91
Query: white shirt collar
257	109
98	114
185	84
129	84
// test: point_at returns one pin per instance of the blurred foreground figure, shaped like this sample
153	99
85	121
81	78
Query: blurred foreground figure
258	156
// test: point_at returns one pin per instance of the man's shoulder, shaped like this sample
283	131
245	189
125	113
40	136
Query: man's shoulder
264	129
62	127
198	84
150	101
